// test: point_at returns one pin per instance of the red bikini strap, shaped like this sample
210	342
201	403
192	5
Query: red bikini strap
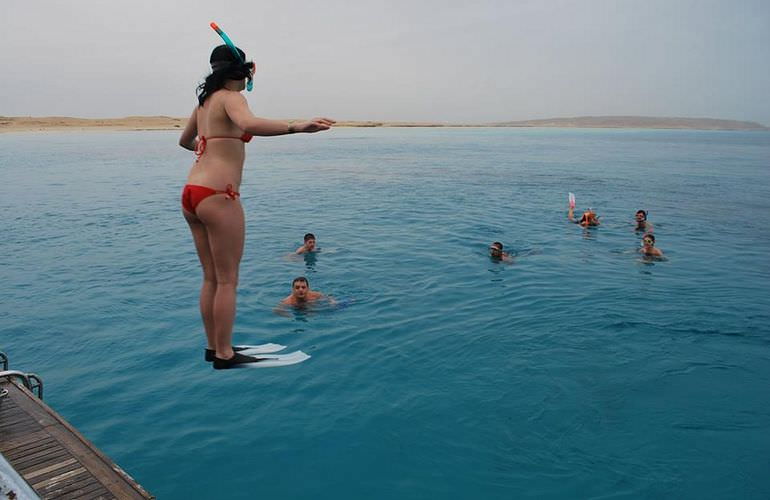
200	147
230	193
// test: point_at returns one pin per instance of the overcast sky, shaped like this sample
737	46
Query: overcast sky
443	60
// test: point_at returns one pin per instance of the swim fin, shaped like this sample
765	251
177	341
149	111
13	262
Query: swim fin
248	350
272	360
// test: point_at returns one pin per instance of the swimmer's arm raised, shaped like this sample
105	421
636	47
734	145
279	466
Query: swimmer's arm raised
187	140
238	111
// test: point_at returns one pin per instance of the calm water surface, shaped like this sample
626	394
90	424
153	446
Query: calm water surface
578	371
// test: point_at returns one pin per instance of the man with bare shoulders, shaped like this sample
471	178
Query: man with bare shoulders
301	294
308	246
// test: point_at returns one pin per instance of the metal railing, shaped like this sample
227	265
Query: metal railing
31	381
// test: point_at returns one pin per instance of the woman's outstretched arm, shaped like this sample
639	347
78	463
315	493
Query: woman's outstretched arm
238	111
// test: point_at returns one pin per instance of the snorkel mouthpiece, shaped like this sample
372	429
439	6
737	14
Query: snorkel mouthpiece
234	50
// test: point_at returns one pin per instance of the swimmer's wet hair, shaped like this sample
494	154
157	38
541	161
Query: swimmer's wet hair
650	236
643	213
309	236
224	67
498	245
300	279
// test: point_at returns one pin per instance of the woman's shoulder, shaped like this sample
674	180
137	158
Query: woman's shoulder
219	97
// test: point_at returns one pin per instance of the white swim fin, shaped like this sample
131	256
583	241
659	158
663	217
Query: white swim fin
250	350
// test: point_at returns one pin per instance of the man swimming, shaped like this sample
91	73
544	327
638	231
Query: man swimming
648	246
301	294
308	245
641	222
496	253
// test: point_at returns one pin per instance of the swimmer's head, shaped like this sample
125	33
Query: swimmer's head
224	66
641	216
496	250
309	240
648	240
223	59
300	287
589	217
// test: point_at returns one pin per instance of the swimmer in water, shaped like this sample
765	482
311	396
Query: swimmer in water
496	253
301	294
308	245
588	219
641	222
648	247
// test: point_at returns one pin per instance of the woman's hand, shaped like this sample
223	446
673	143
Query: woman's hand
314	125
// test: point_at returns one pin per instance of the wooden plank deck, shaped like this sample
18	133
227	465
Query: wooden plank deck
53	457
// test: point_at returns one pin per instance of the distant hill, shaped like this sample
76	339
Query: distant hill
47	123
637	122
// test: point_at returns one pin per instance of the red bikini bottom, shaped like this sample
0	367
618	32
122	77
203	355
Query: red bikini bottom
192	195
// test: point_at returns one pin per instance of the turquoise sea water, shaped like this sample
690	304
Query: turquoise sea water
578	371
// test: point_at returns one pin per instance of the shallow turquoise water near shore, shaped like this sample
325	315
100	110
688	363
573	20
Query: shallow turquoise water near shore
578	371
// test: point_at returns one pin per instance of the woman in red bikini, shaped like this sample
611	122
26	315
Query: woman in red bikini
217	131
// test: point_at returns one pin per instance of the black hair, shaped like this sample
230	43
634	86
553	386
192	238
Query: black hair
300	279
225	67
650	236
309	236
498	245
643	213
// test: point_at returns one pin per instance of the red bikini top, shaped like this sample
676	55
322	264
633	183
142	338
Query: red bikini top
201	147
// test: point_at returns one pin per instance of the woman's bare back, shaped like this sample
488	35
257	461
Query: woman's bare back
222	160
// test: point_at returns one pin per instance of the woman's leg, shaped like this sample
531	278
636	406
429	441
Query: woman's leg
209	286
225	227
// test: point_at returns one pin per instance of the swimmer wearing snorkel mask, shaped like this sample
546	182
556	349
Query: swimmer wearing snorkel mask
648	247
641	222
588	219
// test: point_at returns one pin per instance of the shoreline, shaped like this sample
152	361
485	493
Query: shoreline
11	124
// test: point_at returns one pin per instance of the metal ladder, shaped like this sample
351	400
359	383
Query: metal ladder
31	381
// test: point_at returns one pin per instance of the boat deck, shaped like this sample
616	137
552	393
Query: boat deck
52	456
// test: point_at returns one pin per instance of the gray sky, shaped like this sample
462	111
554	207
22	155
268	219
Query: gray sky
445	60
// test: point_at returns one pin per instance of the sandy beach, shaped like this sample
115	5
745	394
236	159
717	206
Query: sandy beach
67	123
58	123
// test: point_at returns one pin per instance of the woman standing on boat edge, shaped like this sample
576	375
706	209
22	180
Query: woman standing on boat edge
217	131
